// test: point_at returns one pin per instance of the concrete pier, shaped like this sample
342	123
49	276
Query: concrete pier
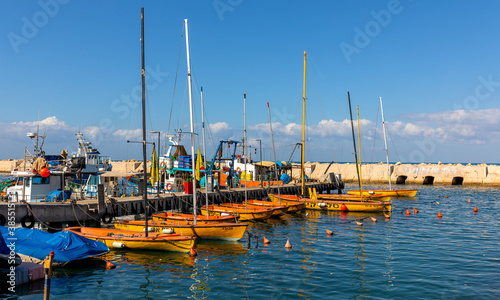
91	210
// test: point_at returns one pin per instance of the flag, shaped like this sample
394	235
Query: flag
199	164
154	167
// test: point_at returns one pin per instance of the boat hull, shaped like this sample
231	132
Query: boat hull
278	210
114	238
212	231
342	206
356	197
391	193
189	218
244	214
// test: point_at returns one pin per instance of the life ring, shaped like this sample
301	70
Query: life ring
238	169
2	220
28	219
163	165
169	187
107	218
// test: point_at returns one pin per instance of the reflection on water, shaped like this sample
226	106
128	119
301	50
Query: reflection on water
415	256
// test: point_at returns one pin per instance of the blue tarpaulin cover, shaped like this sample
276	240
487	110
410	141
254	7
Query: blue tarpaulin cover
5	258
67	246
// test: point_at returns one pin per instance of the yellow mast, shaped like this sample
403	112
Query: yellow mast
359	159
303	124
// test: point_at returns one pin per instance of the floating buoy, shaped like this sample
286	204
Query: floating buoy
468	201
266	241
44	172
322	204
167	230
109	265
329	232
439	215
415	211
343	207
359	223
475	209
374	219
288	245
445	197
192	252
117	244
438	203
387	216
408	212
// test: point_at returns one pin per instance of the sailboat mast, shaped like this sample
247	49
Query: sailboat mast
303	127
354	139
144	158
274	153
193	162
244	145
385	142
204	151
244	124
359	146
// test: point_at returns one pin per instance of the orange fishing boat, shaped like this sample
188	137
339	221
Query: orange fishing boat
179	218
278	210
115	238
292	207
207	231
248	214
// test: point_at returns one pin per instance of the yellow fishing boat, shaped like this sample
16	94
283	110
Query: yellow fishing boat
278	210
115	238
390	193
331	205
179	218
211	231
349	197
248	214
292	207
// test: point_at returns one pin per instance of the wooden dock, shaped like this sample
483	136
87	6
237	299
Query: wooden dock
58	214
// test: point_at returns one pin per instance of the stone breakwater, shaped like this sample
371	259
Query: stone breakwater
450	174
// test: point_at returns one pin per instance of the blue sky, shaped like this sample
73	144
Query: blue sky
75	65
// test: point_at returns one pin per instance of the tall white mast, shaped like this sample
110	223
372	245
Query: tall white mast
385	141
193	162
204	151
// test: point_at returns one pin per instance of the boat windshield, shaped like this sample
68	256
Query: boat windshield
41	180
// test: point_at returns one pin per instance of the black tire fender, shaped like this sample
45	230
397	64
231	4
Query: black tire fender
28	221
107	218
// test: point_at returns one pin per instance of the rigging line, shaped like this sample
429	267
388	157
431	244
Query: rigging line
375	135
392	141
175	81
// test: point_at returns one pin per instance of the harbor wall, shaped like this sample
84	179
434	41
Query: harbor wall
449	174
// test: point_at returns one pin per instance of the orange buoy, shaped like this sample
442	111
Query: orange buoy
387	216
343	207
408	212
445	197
266	241
439	215
109	265
468	201
192	252
359	223
329	232
374	219
288	245
44	172
415	210
475	209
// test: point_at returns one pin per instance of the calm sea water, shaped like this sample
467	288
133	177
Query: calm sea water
406	257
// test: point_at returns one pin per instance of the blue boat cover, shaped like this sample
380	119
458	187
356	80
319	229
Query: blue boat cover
57	195
5	258
67	246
